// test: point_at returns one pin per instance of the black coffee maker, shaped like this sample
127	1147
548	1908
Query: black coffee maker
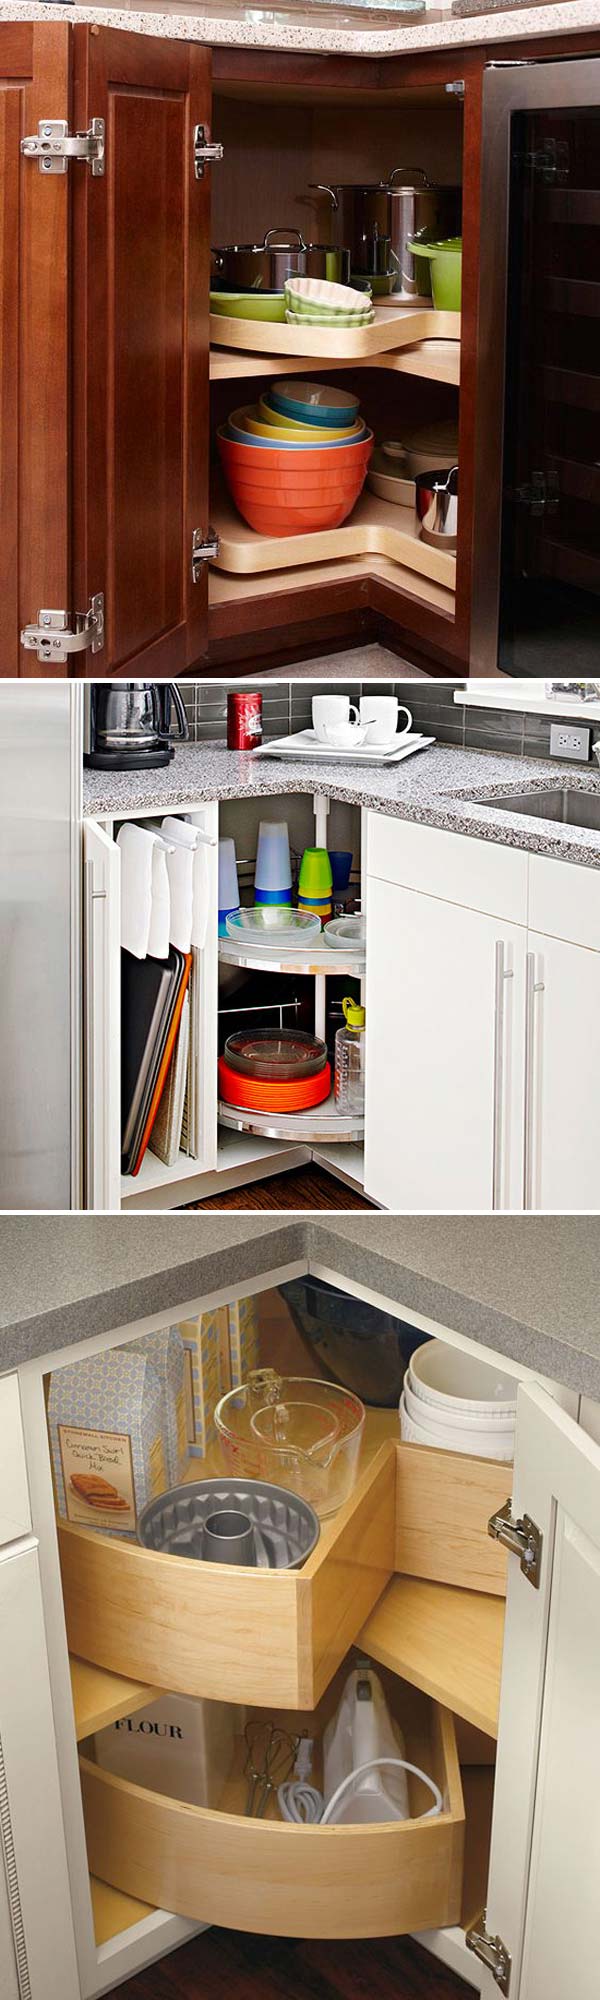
130	725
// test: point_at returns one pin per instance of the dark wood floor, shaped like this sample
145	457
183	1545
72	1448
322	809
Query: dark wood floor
309	1187
229	1965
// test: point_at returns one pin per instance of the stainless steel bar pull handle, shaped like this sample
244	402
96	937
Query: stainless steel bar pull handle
532	987
502	973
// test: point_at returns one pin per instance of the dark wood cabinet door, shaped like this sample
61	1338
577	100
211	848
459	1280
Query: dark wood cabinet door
34	512
140	286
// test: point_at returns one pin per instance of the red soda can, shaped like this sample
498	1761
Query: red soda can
244	720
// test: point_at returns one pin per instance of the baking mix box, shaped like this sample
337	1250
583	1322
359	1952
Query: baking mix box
244	1339
107	1435
208	1374
166	1351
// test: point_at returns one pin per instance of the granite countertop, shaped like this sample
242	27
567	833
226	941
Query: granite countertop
333	30
525	1285
435	787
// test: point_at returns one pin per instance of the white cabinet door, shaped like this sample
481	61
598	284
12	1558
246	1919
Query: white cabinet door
444	1062
32	1843
102	1003
545	1857
563	1003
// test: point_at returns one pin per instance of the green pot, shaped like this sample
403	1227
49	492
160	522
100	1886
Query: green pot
249	305
445	260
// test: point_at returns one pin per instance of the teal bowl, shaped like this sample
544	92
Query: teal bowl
311	413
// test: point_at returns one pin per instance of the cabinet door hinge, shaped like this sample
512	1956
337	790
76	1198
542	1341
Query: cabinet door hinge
205	549
456	89
54	146
54	639
490	1951
205	150
521	1538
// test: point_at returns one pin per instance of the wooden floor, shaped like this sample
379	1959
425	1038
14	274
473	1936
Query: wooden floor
229	1965
310	1187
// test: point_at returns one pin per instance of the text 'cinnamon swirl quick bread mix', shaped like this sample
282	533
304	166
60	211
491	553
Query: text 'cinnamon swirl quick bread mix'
107	1435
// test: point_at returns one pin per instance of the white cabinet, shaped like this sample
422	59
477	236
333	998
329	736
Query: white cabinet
444	1054
483	1025
563	1156
545	1856
32	1844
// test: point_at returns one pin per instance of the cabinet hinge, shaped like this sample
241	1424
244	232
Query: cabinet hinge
490	1951
54	639
549	163
206	150
54	146
541	493
456	89
521	1538
205	549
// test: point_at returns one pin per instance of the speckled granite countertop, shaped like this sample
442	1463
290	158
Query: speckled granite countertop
438	787
525	1285
331	31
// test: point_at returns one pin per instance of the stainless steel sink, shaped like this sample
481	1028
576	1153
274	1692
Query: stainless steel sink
569	808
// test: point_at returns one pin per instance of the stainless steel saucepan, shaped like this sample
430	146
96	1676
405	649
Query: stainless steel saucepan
264	267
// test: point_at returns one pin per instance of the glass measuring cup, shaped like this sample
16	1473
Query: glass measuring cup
302	1434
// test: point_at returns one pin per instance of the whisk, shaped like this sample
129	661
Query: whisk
270	1758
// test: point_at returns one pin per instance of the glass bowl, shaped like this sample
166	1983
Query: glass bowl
294	1432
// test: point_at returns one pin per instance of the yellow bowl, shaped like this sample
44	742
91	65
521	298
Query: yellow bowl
262	413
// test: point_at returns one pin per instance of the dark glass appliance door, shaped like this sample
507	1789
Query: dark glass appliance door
550	547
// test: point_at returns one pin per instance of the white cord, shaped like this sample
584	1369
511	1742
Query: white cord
300	1802
378	1764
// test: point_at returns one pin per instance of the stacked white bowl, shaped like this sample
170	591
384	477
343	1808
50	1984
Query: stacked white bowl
456	1402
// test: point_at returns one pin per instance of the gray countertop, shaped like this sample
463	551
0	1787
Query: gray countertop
436	788
524	1285
330	29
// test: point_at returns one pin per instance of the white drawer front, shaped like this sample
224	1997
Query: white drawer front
451	866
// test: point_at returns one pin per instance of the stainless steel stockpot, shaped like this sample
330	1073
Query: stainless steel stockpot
264	267
394	212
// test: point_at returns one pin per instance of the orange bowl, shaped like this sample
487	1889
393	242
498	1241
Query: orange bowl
304	517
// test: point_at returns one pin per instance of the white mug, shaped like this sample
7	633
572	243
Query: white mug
380	714
331	711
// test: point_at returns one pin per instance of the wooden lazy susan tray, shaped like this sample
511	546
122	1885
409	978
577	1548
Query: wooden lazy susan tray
375	527
390	330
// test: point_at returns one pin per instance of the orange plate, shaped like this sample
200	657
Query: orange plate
251	1094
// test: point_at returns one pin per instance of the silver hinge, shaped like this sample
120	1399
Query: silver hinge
490	1951
521	1538
54	640
205	549
54	146
456	89
205	150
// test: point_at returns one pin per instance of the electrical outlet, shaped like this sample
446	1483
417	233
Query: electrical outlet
567	740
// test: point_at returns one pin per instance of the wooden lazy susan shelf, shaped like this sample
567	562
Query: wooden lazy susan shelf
390	332
375	527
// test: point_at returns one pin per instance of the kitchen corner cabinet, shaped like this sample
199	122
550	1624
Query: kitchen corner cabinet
408	1572
111	507
483	988
103	439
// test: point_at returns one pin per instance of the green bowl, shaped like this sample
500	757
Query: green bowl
249	305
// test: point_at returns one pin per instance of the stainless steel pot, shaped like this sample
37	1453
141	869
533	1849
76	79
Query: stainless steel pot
395	211
264	267
437	507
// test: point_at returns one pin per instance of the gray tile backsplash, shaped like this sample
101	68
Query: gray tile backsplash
286	706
